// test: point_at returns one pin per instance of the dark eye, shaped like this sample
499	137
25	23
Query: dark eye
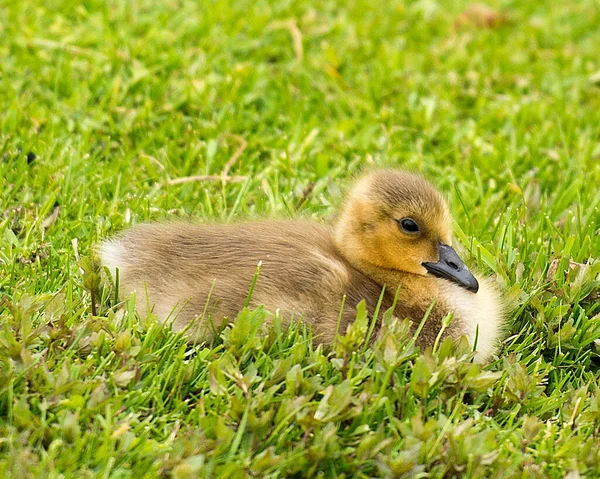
408	225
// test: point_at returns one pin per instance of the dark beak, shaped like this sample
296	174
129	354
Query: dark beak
452	268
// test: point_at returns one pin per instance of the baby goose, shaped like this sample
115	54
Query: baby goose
393	230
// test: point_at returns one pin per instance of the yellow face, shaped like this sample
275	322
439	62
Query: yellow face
401	239
395	221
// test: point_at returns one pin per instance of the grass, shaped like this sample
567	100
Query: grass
106	103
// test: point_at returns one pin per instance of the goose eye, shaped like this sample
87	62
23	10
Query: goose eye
408	225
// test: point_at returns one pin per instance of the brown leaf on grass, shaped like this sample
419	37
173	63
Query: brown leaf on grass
480	16
551	275
578	275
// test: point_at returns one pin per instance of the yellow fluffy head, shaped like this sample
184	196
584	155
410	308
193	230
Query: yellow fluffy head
393	220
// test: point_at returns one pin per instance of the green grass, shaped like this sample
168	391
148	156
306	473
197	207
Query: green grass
115	99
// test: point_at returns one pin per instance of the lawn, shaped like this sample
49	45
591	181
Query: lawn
108	107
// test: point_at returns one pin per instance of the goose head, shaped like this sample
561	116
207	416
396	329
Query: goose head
396	222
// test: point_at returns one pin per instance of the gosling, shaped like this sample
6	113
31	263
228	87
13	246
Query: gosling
393	232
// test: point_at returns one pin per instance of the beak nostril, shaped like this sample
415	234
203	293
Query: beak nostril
453	265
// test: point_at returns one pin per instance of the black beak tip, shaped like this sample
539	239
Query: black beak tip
474	287
452	268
